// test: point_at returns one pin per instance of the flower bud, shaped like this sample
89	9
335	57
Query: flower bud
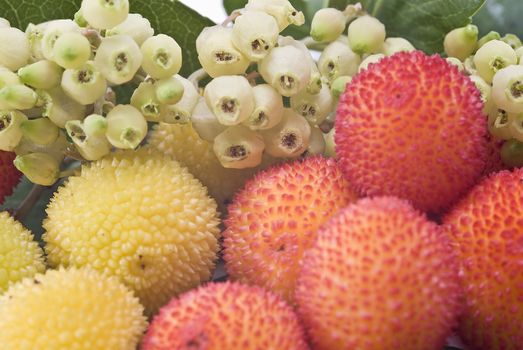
126	127
90	146
268	108
288	139
395	45
507	89
375	58
85	85
255	34
53	31
314	108
499	123
56	149
168	90
95	125
39	168
338	59
71	50
217	54
136	26
144	99
366	35
40	131
461	42
330	145
80	19
316	142
485	90
17	97
456	62
15	49
282	10
327	24
10	129
492	35
162	56
118	58
493	56
4	23
512	40
41	75
519	54
205	122
287	69
339	85
8	78
230	98
180	112
34	34
59	107
516	126
238	147
315	83
103	14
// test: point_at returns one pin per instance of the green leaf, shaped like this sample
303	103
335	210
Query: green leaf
423	22
231	5
166	16
503	16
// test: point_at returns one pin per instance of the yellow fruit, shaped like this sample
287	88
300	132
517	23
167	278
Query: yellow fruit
181	142
139	216
70	310
20	255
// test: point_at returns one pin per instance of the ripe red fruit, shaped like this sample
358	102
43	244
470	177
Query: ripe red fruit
412	126
274	219
9	175
486	226
380	276
222	316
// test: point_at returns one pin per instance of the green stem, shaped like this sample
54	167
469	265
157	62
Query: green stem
29	201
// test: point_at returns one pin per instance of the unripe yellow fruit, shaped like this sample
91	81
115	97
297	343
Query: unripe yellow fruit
70	309
181	142
20	255
139	216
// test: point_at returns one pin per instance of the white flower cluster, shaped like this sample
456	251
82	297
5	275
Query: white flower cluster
57	81
495	65
255	70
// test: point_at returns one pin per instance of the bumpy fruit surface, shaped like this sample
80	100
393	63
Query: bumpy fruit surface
20	255
380	276
225	316
181	142
274	219
140	216
9	175
70	309
486	228
412	126
494	162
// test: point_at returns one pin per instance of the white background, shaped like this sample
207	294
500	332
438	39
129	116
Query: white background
209	8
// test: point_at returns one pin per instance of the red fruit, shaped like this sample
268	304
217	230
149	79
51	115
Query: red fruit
494	162
9	175
380	276
412	126
225	316
274	219
487	228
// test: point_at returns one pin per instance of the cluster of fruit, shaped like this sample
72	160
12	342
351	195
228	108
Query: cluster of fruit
495	65
322	253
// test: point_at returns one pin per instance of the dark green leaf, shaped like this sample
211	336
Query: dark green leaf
166	16
231	5
503	16
422	22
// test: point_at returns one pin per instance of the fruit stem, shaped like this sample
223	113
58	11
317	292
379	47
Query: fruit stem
29	201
